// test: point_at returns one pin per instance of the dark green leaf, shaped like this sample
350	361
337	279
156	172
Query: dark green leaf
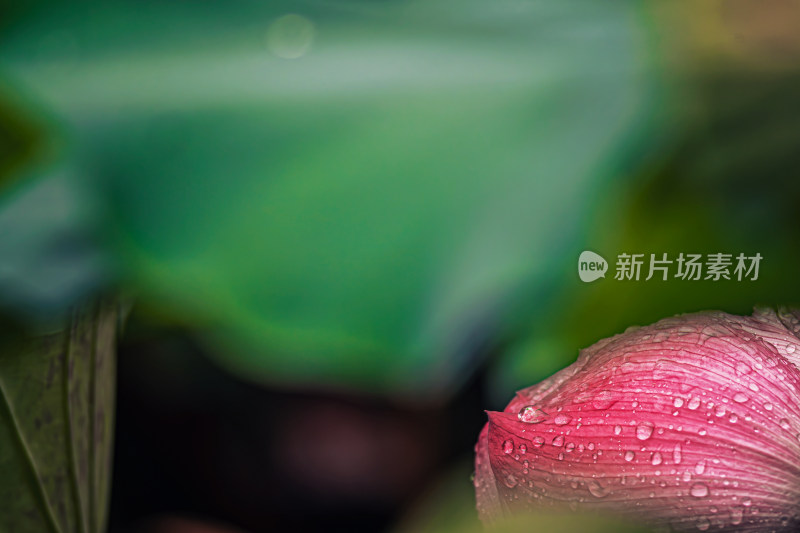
56	426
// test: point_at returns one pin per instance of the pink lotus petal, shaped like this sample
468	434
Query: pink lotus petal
690	423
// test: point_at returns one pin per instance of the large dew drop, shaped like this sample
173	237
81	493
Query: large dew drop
699	490
596	489
604	400
644	430
562	419
531	415
700	467
737	514
508	446
657	459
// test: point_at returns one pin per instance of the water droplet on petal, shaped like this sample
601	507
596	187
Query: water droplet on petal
768	406
538	441
629	455
790	348
743	368
747	502
676	454
678	402
699	490
558	440
785	423
703	524
570	446
657	459
617	430
562	419
700	467
644	430
694	403
596	489
508	446
737	513
604	400
510	481
531	415
523	449
720	411
753	387
740	397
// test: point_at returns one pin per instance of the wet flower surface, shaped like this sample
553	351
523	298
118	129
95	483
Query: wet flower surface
692	423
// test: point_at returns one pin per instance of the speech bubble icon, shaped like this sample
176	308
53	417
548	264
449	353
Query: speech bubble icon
591	266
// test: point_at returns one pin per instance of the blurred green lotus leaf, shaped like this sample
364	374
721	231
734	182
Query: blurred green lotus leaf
20	138
351	193
48	256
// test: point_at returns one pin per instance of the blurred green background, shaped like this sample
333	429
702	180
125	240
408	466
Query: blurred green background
366	213
382	203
